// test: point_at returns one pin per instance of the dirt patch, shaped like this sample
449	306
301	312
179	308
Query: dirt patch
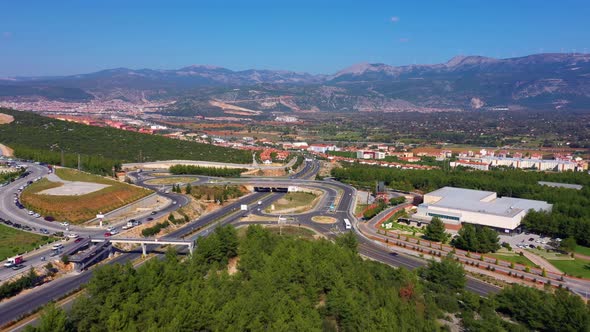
71	188
232	266
295	202
323	219
6	151
5	118
266	172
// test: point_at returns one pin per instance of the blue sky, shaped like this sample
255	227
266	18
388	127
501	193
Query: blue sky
69	37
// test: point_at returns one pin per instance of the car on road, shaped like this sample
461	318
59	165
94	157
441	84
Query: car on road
65	224
153	213
114	231
173	202
72	235
44	231
531	239
30	213
49	218
107	234
78	240
531	246
57	246
18	267
110	228
37	215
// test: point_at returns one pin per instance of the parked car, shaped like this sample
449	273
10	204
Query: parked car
49	218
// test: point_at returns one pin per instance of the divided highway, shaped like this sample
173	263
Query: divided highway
22	304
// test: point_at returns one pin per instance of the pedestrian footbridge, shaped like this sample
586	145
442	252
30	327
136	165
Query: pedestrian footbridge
145	242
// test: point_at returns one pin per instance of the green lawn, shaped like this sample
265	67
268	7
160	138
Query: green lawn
511	257
582	250
574	267
14	241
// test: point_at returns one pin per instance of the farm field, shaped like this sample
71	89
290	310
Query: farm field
14	241
79	208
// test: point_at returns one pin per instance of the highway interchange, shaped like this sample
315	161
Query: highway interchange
343	208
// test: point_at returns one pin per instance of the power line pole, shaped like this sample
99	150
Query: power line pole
78	161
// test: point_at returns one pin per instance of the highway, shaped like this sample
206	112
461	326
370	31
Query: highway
22	304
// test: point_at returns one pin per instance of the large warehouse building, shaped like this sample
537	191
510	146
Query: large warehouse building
457	205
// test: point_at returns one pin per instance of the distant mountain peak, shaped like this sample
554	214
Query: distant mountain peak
207	67
461	60
361	68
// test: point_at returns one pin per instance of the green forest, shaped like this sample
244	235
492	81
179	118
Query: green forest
282	283
570	216
40	138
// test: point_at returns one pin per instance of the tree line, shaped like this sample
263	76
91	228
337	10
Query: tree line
208	171
570	216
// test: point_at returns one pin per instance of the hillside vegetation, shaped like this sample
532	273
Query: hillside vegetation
40	138
282	283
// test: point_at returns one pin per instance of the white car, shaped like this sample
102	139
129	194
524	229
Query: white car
31	213
65	224
72	235
110	229
114	231
37	215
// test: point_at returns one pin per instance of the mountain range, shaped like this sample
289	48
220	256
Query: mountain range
540	81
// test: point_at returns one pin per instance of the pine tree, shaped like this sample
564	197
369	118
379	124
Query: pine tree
435	231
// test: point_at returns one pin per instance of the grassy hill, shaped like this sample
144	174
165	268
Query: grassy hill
34	137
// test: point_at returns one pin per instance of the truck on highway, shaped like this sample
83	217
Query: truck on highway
16	260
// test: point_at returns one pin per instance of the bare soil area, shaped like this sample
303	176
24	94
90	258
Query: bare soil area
5	118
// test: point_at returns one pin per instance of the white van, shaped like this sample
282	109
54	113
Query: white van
57	246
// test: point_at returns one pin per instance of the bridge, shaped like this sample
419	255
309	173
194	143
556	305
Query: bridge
271	189
144	242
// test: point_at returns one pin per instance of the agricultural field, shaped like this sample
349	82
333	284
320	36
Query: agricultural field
14	241
79	208
295	202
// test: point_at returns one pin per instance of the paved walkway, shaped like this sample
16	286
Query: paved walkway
540	261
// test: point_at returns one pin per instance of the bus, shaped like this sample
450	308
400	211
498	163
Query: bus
347	224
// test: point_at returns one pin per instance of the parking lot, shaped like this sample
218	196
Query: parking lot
526	240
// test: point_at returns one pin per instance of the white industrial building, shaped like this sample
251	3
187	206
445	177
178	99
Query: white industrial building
457	205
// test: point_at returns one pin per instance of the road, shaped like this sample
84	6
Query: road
22	304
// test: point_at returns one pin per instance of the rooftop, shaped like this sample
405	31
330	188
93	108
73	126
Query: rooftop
484	202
